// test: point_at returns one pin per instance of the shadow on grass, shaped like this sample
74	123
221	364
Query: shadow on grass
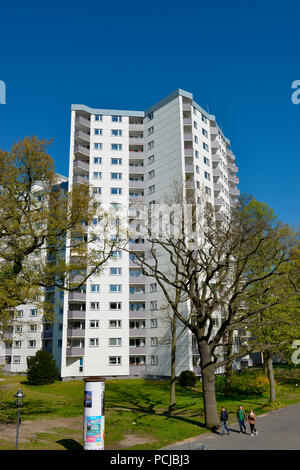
70	444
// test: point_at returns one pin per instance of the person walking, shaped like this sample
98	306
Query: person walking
241	416
251	420
224	420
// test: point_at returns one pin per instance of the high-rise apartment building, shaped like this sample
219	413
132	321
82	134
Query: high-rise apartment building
115	325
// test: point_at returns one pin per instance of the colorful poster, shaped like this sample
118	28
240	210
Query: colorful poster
93	428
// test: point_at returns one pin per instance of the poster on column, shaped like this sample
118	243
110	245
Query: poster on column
93	429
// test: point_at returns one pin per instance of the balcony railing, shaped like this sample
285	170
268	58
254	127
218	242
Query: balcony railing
80	179
82	135
81	165
76	314
82	121
82	150
76	332
75	352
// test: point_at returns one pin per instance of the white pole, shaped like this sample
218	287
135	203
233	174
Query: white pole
93	420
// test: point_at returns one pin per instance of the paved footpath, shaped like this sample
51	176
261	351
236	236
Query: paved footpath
277	430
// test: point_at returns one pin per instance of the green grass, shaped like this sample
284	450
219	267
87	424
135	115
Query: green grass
135	407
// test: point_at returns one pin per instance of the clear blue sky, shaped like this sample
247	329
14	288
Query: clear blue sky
237	57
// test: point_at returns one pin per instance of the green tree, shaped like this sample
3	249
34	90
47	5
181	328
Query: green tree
42	369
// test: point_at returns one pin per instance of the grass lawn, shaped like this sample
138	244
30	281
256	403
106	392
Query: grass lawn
136	412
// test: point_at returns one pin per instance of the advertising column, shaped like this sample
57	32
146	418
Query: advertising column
93	419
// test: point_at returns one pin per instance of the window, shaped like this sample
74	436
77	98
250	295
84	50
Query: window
20	313
195	139
153	305
207	175
116	146
204	132
207	190
33	312
115	324
153	287
151	189
32	344
97	175
97	146
114	360
116	132
150	116
153	323
204	119
151	145
96	220
16	359
116	118
150	130
18	329
116	254
95	287
116	161
205	146
115	305
115	190
97	160
94	323
198	184
206	161
154	341
151	174
98	117
115	271
150	159
116	176
95	305
98	131
115	342
94	342
32	328
17	344
197	169
97	190
196	154
154	360
115	288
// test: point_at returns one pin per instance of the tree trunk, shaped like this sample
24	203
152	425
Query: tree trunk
228	366
173	364
265	363
271	377
208	385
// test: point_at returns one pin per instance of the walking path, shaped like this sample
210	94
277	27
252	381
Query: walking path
277	430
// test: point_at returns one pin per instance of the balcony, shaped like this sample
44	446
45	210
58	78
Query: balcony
82	122
218	187
232	167
217	172
47	334
187	106
75	333
214	130
137	332
137	279
136	140
190	184
188	152
76	314
137	350
233	179
140	169
234	191
80	180
80	165
136	127
79	296
216	158
81	150
136	184
188	136
137	370
75	352
138	296
136	154
189	168
214	145
219	202
187	121
137	199
82	136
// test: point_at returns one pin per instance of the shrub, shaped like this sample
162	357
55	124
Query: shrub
42	369
187	378
244	383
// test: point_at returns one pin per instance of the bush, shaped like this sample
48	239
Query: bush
244	383
187	378
42	369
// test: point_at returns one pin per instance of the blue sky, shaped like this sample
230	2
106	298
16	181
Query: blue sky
238	58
